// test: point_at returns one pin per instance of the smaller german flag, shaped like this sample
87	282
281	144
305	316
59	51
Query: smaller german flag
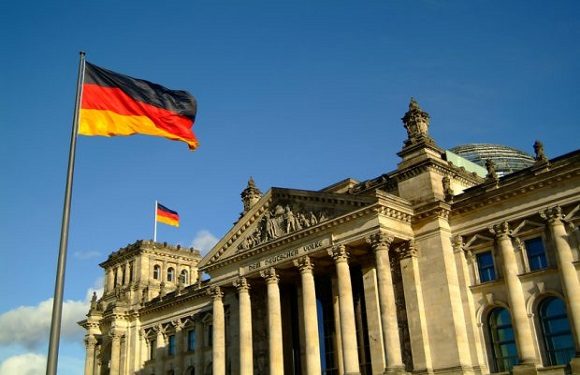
166	216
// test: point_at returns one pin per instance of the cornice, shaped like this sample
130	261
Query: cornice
516	184
144	246
435	209
171	300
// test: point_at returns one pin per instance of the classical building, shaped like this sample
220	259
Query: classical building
442	266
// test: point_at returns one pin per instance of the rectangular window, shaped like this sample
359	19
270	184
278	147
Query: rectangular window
209	335
171	345
485	267
152	348
191	340
536	253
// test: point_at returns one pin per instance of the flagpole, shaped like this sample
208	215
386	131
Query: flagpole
55	325
155	224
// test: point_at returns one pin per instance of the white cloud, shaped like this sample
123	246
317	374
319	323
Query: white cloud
29	326
24	364
85	255
204	241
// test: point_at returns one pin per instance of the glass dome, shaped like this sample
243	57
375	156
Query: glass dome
507	159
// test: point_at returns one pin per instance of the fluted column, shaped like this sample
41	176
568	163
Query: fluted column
110	284
305	266
381	243
245	314
524	336
276	354
568	272
90	343
346	307
115	351
219	337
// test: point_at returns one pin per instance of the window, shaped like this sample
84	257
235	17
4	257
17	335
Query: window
485	266
152	348
184	277
156	272
191	340
170	274
558	340
171	345
536	253
503	345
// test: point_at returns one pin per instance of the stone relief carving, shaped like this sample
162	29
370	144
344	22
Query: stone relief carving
416	123
280	221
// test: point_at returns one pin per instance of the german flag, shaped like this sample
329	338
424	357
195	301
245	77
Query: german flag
115	104
167	216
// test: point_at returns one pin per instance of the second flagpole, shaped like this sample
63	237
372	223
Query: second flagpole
155	224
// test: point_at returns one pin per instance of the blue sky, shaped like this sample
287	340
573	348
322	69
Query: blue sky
294	93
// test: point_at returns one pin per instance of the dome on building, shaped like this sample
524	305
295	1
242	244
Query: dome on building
507	159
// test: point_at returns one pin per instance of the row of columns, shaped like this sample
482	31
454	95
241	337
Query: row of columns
516	298
348	340
120	275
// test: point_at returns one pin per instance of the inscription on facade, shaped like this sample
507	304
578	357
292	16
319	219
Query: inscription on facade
271	260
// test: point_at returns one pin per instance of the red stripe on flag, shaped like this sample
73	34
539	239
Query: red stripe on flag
115	100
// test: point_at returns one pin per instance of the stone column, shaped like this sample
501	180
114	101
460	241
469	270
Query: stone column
245	315
115	351
312	348
159	349
90	343
219	342
415	306
521	323
276	352
179	341
199	346
109	285
346	307
568	273
381	243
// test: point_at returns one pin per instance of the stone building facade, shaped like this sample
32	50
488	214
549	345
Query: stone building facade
428	269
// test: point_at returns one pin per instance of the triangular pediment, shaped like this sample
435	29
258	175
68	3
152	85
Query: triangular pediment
281	213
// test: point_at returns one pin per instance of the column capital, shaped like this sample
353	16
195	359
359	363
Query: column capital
408	250
215	292
552	215
242	284
501	230
90	341
304	264
380	241
338	253
178	325
116	334
457	243
270	275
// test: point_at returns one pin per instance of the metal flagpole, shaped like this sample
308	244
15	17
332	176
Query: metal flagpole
155	224
55	324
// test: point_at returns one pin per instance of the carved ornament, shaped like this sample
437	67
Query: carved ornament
501	230
553	215
215	292
280	221
416	122
380	241
270	275
304	264
241	283
408	250
338	253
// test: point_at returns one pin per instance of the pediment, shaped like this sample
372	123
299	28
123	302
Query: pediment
279	214
476	241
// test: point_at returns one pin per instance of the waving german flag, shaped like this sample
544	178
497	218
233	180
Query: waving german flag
166	216
116	104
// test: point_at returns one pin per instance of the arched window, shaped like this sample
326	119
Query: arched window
156	272
184	277
170	274
558	340
503	345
